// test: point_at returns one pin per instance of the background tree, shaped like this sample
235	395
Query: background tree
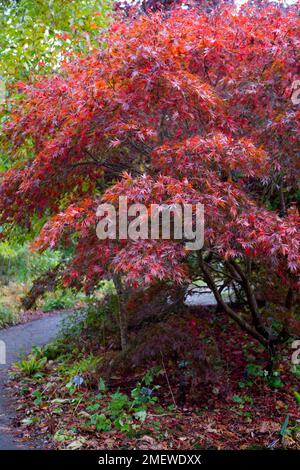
36	35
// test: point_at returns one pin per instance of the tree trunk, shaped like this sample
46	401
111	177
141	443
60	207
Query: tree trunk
122	312
282	212
289	299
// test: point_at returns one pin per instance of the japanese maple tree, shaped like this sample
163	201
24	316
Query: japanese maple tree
145	6
186	107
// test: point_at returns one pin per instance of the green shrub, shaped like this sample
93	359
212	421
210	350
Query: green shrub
61	299
7	316
31	365
273	379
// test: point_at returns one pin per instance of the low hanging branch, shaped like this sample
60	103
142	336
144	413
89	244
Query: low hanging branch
45	283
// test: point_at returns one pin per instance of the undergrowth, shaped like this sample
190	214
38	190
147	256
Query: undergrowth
81	389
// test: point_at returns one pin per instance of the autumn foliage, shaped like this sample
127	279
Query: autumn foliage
189	107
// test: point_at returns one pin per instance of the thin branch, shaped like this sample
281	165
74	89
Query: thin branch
167	378
242	323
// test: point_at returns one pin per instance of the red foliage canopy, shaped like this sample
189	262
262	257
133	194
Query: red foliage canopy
185	108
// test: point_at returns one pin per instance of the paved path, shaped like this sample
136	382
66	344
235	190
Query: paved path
19	340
